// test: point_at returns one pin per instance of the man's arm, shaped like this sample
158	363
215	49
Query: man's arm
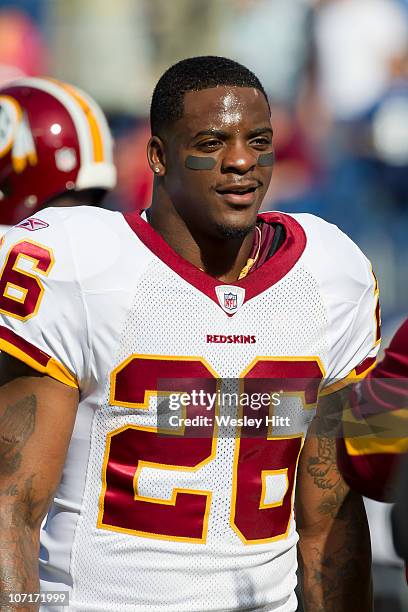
37	415
375	424
334	545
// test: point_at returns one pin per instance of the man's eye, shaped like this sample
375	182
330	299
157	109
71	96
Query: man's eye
261	141
209	144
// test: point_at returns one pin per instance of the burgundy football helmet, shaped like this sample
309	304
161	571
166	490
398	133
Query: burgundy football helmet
53	138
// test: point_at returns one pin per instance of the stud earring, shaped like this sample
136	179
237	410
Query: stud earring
157	170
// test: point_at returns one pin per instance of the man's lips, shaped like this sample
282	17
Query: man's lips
243	187
238	193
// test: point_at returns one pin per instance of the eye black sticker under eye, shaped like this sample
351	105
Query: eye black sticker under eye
194	162
266	159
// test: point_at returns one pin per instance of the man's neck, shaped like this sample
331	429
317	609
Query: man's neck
222	258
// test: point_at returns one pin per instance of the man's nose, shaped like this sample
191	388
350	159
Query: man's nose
239	158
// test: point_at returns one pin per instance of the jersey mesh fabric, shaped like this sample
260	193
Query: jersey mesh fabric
136	304
116	571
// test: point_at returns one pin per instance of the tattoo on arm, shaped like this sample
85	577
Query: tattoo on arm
322	466
19	542
340	572
22	506
16	426
338	567
326	476
10	491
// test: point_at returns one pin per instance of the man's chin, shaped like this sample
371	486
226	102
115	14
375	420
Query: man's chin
234	231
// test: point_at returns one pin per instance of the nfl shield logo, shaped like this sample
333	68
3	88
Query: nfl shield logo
230	298
230	301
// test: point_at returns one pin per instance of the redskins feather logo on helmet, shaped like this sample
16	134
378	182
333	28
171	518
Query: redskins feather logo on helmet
53	138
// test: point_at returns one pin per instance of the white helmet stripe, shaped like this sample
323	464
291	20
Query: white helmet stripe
107	140
97	141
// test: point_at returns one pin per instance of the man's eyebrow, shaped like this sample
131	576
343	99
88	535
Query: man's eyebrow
222	134
210	132
258	131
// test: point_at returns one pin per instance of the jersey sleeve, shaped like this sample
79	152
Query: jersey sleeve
352	298
375	424
43	319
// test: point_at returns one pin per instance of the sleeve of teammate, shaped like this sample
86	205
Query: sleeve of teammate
43	338
375	424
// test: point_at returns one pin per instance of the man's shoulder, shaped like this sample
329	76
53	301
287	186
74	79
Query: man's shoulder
87	215
313	226
333	258
53	221
317	227
64	226
78	237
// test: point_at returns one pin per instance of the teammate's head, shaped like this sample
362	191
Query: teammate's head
211	146
54	141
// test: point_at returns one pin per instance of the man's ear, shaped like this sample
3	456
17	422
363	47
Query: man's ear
156	156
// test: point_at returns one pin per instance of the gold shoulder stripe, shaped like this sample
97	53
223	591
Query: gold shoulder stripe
375	446
351	378
53	368
380	433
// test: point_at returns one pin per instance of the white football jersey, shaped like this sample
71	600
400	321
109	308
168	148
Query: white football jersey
173	498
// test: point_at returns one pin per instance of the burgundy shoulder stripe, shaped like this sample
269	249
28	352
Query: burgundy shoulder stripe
364	365
23	345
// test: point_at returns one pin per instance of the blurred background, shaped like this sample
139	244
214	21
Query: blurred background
336	72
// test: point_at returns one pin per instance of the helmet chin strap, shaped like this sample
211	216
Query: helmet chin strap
194	162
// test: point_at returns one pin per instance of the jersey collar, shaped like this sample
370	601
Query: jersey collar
258	281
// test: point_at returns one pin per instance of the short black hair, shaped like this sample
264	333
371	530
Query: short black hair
195	74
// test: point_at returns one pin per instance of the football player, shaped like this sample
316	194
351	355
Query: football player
375	424
373	451
125	337
55	149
